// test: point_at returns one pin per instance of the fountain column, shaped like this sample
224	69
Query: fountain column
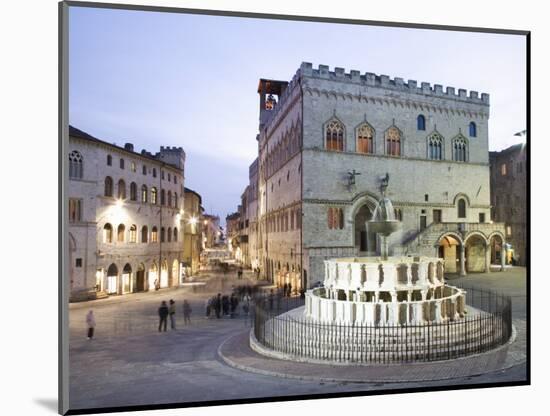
502	257
462	260
438	316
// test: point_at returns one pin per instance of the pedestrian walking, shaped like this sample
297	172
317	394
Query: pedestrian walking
163	315
289	289
240	273
234	302
225	305
285	289
218	305
172	312
246	304
90	323
209	306
186	312
270	299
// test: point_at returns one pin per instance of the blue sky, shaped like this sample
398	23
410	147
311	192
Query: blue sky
188	80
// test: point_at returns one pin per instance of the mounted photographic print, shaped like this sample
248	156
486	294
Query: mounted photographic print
261	208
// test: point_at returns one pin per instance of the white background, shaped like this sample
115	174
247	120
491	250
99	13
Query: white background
29	272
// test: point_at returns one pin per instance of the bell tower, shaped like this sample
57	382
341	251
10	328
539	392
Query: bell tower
270	91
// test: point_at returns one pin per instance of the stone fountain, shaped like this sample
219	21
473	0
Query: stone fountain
384	290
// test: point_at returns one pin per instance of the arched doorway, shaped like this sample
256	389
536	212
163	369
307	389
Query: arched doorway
476	248
140	279
365	242
164	274
175	272
112	279
449	250
153	276
127	278
496	243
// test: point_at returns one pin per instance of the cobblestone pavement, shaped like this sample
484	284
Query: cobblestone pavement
130	363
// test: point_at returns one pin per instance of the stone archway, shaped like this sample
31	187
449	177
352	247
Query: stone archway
361	211
140	279
112	279
153	277
476	253
126	281
450	249
164	274
175	272
497	246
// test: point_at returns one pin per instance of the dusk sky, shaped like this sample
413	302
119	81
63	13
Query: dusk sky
161	79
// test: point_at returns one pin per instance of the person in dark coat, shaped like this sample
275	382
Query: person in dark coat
163	315
225	305
234	303
218	305
289	289
186	312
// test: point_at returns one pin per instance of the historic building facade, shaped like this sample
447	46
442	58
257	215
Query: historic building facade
509	196
125	207
326	137
192	231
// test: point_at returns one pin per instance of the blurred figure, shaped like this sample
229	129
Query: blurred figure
90	323
186	312
172	312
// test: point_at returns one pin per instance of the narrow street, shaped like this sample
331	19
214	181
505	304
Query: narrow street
130	363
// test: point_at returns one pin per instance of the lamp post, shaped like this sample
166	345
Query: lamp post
193	223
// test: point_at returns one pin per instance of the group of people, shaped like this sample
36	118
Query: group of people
287	289
225	305
166	311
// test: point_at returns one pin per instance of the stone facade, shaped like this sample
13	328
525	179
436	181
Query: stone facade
192	246
125	231
326	138
509	196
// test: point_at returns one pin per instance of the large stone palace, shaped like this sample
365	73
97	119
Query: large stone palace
325	140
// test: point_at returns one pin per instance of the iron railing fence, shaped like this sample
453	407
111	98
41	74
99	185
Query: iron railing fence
487	325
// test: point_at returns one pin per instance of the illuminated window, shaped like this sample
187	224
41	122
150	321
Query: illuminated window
144	234
75	210
121	189
461	208
144	193
108	186
334	134
503	171
133	191
435	147
133	166
75	165
154	235
365	135
175	234
421	122
393	142
120	233
153	195
109	160
133	234
107	233
460	149
121	163
473	129
508	230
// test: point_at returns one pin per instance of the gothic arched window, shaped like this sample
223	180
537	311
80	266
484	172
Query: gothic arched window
460	149
153	195
334	134
435	147
393	141
365	137
144	193
133	191
75	165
